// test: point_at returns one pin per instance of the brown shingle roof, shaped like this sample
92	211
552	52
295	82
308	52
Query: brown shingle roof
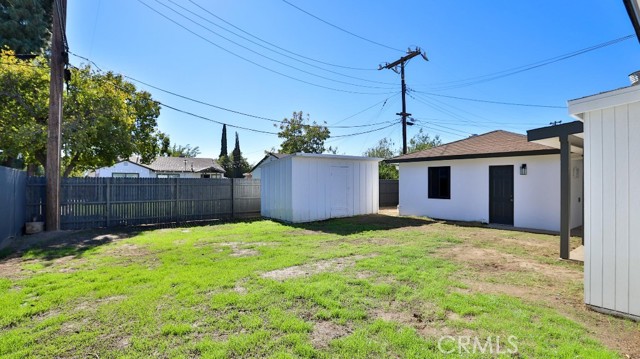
492	144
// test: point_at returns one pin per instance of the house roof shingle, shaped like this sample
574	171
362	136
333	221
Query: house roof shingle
182	164
492	144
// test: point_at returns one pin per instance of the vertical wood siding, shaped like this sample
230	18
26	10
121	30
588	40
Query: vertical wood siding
612	208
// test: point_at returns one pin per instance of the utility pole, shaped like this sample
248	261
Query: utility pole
393	66
59	58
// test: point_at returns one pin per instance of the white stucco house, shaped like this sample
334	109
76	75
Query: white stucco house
270	156
497	177
163	167
305	187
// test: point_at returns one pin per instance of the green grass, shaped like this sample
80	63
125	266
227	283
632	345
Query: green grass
175	293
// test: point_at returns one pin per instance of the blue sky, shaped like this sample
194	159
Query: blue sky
463	40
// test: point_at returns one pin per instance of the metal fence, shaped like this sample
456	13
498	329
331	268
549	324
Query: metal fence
12	203
107	202
389	193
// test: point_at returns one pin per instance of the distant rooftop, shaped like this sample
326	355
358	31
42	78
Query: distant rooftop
182	164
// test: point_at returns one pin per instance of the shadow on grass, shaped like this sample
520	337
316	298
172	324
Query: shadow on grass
53	245
359	224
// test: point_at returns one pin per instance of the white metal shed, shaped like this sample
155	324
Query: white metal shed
308	187
612	199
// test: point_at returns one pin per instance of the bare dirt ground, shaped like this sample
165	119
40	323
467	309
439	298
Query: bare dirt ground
537	276
329	265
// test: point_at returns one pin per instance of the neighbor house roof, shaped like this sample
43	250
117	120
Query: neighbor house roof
185	164
493	144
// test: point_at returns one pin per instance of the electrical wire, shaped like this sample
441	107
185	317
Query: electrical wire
276	46
255	63
341	29
519	69
490	101
231	110
271	58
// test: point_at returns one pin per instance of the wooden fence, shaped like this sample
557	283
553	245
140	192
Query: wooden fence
12	187
106	202
389	190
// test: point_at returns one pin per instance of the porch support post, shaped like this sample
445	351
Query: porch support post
565	195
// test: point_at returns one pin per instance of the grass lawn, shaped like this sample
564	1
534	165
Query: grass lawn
363	287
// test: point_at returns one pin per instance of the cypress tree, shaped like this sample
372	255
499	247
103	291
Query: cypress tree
223	144
237	159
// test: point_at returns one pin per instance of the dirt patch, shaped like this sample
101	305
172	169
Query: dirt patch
425	322
325	332
244	249
327	265
555	291
94	304
486	259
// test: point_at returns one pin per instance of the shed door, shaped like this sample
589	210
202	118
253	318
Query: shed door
501	194
338	191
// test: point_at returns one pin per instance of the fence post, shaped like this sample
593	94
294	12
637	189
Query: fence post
175	204
108	198
233	198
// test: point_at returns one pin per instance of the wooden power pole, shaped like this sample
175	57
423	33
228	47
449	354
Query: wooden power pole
59	58
410	54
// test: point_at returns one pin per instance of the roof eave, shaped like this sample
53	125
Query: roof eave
551	151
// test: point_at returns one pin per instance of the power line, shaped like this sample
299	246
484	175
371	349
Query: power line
489	101
363	132
228	109
255	63
276	46
341	29
519	69
267	57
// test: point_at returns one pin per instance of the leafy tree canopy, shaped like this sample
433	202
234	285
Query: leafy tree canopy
422	141
104	117
384	149
25	25
183	151
299	134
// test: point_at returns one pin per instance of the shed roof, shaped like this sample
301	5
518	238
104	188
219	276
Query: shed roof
492	144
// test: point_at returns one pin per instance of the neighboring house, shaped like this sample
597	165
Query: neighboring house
163	167
305	187
498	178
255	172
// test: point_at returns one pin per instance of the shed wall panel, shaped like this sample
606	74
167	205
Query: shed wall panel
588	156
621	179
608	208
595	239
634	209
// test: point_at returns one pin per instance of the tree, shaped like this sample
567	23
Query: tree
422	141
384	149
302	135
104	117
25	25
239	164
223	142
183	151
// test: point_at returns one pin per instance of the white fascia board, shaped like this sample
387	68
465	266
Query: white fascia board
603	100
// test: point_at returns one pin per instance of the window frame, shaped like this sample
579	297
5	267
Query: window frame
439	173
125	175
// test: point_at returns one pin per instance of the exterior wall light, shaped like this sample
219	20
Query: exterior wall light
523	169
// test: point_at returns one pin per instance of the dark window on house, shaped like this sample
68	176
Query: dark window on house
125	175
440	182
